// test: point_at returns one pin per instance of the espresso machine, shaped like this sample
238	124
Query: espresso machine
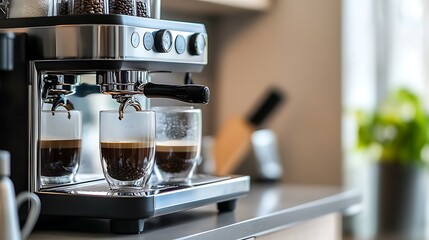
73	61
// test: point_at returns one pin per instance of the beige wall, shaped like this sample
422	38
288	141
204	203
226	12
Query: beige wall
296	46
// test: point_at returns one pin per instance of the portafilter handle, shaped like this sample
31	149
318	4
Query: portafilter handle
185	93
127	83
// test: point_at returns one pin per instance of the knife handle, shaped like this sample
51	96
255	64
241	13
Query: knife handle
274	98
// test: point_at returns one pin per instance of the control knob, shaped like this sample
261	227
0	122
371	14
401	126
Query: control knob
197	44
163	41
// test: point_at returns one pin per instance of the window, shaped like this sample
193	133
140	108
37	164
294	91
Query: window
384	47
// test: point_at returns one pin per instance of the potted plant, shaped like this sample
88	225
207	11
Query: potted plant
396	136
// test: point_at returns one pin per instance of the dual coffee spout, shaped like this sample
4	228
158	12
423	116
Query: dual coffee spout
56	88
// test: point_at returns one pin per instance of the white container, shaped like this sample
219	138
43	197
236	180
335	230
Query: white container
9	225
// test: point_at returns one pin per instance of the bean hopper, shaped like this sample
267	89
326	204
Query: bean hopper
88	62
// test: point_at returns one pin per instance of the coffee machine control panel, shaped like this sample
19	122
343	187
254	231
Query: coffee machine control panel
165	44
164	40
138	43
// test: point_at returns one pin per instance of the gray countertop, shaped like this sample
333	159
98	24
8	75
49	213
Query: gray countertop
265	207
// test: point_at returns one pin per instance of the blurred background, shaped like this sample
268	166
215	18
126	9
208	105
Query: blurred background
356	80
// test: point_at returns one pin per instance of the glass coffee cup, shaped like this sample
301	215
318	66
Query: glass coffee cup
88	7
124	7
178	143
127	148
143	8
60	146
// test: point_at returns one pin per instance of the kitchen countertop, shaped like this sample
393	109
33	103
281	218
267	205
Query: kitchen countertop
264	208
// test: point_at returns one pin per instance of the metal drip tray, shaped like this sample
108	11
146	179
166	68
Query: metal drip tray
96	200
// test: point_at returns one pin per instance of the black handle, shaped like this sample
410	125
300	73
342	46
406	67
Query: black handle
273	99
186	93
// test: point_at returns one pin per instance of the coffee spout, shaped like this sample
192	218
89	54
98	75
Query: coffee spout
125	102
62	101
59	85
56	88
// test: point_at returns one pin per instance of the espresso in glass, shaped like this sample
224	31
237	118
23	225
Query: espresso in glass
176	157
59	146
60	157
178	143
127	161
127	149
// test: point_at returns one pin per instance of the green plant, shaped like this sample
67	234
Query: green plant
397	131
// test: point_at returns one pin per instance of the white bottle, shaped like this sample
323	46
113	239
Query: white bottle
9	226
267	155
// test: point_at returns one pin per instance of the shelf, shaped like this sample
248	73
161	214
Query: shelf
215	7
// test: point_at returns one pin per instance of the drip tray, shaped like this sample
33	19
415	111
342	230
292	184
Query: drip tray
95	199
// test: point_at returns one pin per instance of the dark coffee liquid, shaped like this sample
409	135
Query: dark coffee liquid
127	161
175	159
59	157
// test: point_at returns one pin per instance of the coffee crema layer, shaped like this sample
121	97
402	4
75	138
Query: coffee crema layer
176	157
127	161
176	148
59	157
72	143
123	144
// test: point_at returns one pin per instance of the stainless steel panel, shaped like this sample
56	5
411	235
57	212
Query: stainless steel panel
101	42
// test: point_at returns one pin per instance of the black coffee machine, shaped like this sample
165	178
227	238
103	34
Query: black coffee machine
65	60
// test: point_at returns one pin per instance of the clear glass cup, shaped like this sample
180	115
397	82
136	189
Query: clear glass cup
143	8
83	7
60	146
127	148
178	143
124	7
61	7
